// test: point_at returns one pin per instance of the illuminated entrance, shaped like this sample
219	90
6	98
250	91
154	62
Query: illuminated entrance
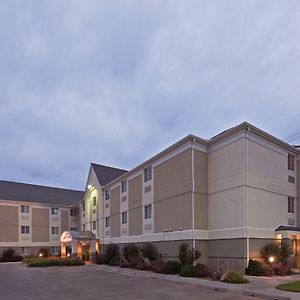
81	244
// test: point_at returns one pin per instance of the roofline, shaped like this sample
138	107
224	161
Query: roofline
39	203
189	138
43	186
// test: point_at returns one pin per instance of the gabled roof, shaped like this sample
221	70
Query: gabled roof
106	174
16	191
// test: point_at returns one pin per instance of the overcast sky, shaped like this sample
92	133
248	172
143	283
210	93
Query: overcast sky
115	82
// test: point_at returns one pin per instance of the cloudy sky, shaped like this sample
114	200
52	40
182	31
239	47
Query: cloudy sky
114	82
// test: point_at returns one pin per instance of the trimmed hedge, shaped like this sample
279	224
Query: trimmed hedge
9	256
50	262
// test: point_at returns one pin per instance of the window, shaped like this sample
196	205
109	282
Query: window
73	228
124	217
94	200
83	206
124	186
83	227
291	205
94	225
107	194
55	250
291	179
73	212
25	230
148	173
291	162
54	230
148	211
54	211
24	209
24	251
107	222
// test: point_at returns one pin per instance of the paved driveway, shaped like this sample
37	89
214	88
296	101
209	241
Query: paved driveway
88	282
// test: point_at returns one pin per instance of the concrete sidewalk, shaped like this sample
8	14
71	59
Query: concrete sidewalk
261	287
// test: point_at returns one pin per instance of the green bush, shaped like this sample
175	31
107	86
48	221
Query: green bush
149	251
203	271
285	252
186	256
111	254
234	277
172	267
255	268
188	271
130	251
50	262
269	250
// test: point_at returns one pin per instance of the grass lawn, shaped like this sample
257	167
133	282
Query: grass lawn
291	287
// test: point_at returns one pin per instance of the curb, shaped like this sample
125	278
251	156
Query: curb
211	285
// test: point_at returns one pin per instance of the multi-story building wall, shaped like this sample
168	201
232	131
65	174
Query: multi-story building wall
34	217
227	196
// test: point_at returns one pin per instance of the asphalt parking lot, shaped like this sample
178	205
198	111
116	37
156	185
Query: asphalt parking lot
87	282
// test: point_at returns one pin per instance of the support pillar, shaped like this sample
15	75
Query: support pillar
74	249
63	250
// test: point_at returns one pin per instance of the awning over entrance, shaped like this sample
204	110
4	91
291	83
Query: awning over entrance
69	236
76	243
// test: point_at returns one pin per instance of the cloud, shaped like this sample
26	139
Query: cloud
114	82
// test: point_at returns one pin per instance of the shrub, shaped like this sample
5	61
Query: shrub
188	271
172	267
130	251
111	253
44	252
149	251
99	259
281	269
202	270
186	256
255	268
271	249
123	263
114	261
234	277
285	252
141	265
9	256
157	265
216	275
49	262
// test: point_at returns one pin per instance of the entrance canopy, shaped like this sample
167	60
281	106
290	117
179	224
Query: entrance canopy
69	236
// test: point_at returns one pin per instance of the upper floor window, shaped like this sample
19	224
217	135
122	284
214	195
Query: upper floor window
107	222
25	230
73	212
148	211
124	217
54	211
124	186
291	205
83	206
94	225
94	200
25	209
148	173
83	227
291	162
107	194
54	230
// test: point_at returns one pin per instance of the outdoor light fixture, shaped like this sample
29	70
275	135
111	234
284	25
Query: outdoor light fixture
41	254
89	186
271	259
68	254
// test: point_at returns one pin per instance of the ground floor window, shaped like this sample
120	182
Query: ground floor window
55	250
54	230
124	217
94	225
24	251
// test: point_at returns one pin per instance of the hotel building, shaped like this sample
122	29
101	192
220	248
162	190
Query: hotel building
227	196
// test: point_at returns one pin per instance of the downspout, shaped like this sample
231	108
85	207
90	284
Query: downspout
193	197
246	197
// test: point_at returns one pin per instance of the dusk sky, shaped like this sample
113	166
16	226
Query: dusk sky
115	82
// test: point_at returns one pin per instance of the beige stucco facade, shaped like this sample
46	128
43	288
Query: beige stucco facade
227	195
